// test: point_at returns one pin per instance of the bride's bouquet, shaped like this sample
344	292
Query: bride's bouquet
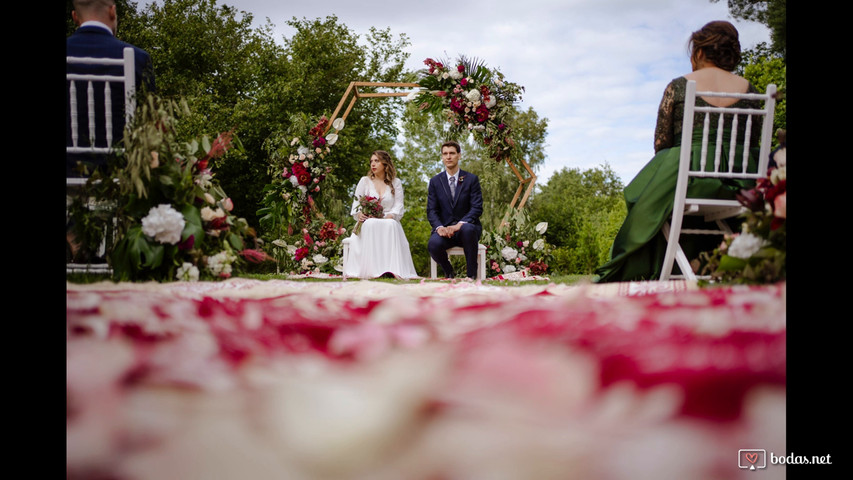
370	207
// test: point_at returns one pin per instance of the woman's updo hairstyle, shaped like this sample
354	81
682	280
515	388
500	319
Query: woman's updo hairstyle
719	41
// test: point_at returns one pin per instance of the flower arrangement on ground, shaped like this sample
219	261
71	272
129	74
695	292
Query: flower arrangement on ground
757	253
371	208
517	247
473	99
316	248
298	168
172	220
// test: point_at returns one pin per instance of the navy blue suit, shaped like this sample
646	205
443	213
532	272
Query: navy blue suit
443	210
94	41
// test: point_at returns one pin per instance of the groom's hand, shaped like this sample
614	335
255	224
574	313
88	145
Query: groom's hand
444	232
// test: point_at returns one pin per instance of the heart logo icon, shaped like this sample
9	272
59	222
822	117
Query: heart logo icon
752	457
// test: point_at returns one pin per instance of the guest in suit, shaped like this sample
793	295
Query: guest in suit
454	206
97	21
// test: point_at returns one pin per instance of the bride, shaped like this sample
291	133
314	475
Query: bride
381	246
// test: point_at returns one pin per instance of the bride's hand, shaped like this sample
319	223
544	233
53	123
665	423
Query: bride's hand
361	217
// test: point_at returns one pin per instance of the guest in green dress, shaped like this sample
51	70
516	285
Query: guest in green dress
639	247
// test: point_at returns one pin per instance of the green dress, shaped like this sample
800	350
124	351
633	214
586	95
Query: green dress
639	247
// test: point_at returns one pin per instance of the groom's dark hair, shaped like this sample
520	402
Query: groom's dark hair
451	143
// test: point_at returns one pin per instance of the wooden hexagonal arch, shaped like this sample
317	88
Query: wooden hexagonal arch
352	94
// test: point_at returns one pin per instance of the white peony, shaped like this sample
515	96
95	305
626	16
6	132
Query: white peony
541	227
164	224
319	259
187	272
509	268
539	244
745	245
455	74
491	102
509	253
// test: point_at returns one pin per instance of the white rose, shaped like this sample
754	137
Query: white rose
164	224
745	245
455	74
509	268
319	259
491	102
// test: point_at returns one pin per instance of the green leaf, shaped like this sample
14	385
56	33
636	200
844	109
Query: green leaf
236	241
728	264
193	225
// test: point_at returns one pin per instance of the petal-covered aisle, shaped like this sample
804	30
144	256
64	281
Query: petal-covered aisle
250	379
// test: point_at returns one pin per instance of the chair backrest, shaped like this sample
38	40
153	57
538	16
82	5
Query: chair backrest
734	120
98	90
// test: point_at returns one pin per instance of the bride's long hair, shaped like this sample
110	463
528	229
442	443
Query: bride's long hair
390	172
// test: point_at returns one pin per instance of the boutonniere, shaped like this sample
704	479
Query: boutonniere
461	178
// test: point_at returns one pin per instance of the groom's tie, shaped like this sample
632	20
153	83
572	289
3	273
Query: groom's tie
453	187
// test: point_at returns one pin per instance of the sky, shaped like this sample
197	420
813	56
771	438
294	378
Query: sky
596	69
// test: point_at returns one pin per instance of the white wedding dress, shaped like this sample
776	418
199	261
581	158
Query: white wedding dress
381	246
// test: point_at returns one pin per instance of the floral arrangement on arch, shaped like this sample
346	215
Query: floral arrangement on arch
756	254
519	246
314	249
172	219
298	168
473	99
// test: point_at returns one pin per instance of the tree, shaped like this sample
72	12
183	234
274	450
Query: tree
584	209
772	13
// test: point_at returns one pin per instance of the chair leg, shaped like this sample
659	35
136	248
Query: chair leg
432	268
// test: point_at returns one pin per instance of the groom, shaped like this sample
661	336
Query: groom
454	206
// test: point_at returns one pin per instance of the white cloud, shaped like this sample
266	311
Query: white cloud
595	68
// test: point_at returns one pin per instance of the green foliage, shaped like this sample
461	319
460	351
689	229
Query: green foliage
584	210
520	244
762	67
169	214
772	13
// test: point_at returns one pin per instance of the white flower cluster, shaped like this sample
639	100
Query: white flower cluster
509	253
745	245
220	264
187	272
164	224
209	214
